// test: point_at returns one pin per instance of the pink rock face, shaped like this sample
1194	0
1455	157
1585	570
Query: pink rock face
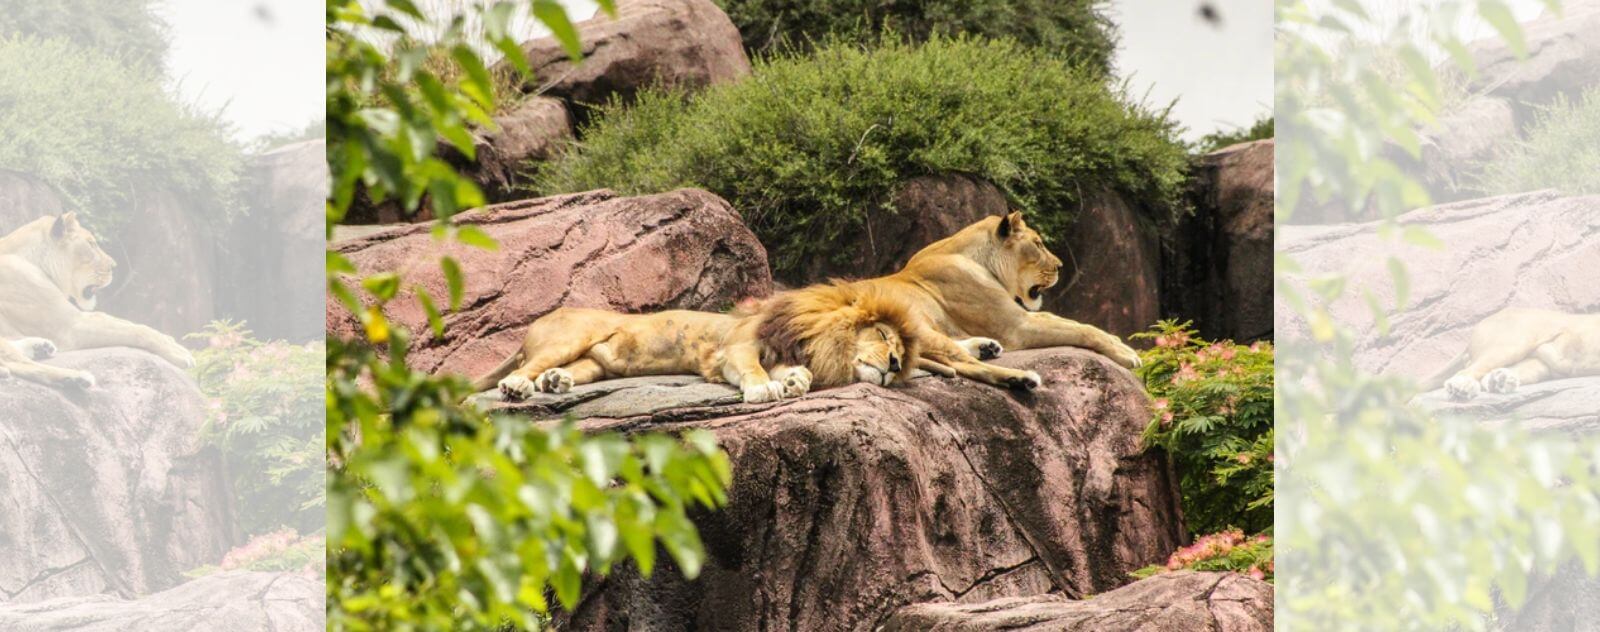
110	490
1110	273
533	130
685	249
239	600
1217	269
1171	602
850	503
678	43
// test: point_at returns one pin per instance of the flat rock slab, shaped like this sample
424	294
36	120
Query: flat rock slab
239	601
851	502
617	398
1569	406
1182	601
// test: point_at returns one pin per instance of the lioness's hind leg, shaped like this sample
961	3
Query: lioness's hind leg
796	380
982	348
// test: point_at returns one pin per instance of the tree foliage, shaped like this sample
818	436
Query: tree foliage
440	517
1076	30
124	29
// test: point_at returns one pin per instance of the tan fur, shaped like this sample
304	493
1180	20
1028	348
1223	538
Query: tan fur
50	272
572	346
835	329
988	280
1517	346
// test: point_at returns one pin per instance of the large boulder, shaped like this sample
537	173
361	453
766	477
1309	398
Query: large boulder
850	503
683	44
685	249
244	601
1216	266
1532	250
1563	59
24	198
530	131
108	490
1170	602
271	260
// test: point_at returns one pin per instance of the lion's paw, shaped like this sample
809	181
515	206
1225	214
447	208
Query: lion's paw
1028	381
556	380
1501	381
796	381
763	392
517	387
983	348
35	348
1461	388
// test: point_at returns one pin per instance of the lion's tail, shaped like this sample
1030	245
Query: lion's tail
492	378
1438	379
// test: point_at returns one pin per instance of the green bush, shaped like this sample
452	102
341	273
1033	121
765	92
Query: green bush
1213	413
1560	150
1258	130
267	406
807	147
128	29
102	131
1224	551
1078	30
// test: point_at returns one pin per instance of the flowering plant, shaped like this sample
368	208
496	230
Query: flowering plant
281	550
266	409
1212	411
1223	551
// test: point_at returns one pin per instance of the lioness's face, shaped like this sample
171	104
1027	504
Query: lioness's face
1027	267
880	354
83	268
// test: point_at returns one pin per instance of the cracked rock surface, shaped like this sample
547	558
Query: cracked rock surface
1170	602
684	249
106	490
850	503
244	601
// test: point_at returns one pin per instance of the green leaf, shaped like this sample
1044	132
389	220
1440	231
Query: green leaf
475	237
1500	17
435	322
383	285
453	279
554	16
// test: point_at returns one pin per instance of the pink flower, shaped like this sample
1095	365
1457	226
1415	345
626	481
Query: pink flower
1163	341
1243	459
1166	418
1255	572
1227	353
1162	403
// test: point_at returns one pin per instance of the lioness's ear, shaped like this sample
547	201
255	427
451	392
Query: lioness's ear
58	229
1005	228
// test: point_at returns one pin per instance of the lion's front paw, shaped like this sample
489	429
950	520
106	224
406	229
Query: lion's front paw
763	392
82	379
983	348
35	348
1501	381
796	381
517	387
1028	381
1124	355
1461	388
557	380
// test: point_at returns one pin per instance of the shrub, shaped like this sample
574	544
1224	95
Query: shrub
1262	128
807	147
1560	150
1077	30
267	406
128	29
100	131
1213	413
1223	551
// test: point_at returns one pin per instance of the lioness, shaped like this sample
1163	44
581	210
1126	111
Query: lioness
1519	346
820	335
50	272
988	280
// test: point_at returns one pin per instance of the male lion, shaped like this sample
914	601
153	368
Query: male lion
823	336
985	284
1519	346
50	272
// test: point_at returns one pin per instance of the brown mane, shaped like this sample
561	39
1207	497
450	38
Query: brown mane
816	327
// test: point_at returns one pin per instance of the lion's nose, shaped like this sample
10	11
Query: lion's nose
894	364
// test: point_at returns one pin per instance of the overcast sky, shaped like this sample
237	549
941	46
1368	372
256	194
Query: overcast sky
261	61
1220	73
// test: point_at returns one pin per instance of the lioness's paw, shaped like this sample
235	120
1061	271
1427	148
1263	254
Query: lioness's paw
1461	388
1028	381
1501	381
763	392
557	380
178	355
983	348
796	381
35	348
83	380
1124	355
517	387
